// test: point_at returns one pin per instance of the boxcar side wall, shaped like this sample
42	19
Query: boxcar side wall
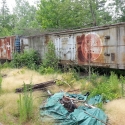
97	46
105	48
39	43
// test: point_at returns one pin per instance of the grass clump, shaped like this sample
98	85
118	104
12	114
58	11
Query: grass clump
122	82
0	84
109	89
46	70
25	105
67	79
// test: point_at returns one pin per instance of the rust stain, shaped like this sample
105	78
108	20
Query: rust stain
80	38
46	39
81	58
123	58
22	46
124	39
89	47
101	59
6	47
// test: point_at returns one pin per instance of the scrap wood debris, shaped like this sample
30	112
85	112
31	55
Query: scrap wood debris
40	86
65	110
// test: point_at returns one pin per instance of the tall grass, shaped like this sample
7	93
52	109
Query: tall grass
0	83
25	105
109	88
122	81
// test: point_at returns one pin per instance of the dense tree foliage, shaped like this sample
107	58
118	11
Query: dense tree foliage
117	9
25	15
27	19
6	20
60	14
72	13
22	21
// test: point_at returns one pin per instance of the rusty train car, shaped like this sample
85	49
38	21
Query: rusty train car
102	46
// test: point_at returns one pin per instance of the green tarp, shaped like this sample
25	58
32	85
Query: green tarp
54	110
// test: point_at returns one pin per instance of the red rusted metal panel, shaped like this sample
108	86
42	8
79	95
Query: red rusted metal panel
89	47
6	47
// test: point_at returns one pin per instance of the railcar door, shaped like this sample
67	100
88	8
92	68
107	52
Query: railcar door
65	48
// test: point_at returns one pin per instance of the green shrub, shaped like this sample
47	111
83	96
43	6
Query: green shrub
75	72
50	58
122	82
46	70
50	61
67	79
108	89
25	105
30	59
0	83
6	64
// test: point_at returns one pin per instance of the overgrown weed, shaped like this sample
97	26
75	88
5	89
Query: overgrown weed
46	70
50	61
30	59
68	79
25	105
109	89
0	84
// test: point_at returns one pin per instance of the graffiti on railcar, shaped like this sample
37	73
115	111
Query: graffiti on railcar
89	47
3	48
6	46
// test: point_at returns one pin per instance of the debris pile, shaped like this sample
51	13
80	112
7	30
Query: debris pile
72	109
39	86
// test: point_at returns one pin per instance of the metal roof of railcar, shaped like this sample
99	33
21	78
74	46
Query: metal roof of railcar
63	32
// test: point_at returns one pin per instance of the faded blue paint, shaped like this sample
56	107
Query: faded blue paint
17	44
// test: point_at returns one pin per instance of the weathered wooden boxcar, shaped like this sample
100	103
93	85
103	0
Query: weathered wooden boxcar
102	46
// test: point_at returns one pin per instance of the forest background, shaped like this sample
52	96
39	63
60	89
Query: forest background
49	15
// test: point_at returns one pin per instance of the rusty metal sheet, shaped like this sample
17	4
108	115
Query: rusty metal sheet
6	47
104	48
89	47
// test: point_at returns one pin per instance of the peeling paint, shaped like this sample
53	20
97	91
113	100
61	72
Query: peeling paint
6	48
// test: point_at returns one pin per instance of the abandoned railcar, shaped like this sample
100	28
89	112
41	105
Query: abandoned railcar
102	46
